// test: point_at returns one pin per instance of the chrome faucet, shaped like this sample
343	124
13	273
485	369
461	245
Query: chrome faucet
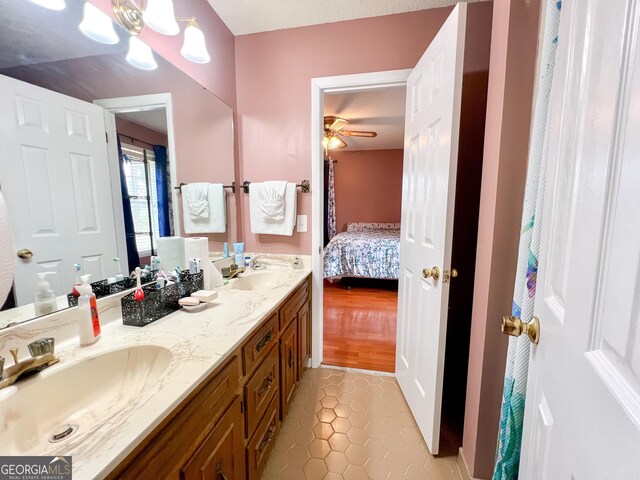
41	357
256	264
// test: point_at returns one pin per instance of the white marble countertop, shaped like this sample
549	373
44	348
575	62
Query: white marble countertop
198	342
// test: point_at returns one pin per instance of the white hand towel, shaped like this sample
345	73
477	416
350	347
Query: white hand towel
260	225
217	220
271	199
196	197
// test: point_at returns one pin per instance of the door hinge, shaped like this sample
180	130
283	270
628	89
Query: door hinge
106	137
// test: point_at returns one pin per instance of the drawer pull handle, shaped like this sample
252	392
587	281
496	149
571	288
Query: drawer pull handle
264	341
290	358
266	385
267	438
221	475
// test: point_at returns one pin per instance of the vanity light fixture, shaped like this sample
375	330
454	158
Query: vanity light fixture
98	26
194	47
140	54
51	4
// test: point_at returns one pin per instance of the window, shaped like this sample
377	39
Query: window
140	174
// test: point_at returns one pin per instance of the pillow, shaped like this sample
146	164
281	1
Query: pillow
369	226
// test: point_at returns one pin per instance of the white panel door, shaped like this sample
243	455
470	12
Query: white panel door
428	192
54	175
582	416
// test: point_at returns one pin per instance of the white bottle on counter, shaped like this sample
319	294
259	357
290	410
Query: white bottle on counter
44	300
89	322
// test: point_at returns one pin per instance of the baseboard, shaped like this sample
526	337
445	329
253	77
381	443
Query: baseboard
464	468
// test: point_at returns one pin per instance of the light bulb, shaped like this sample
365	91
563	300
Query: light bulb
98	26
51	4
194	47
159	16
140	55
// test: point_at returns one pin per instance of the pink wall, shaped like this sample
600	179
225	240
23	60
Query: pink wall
274	72
138	132
510	93
368	186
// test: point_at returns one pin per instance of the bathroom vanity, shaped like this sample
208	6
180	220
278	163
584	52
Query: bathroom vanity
192	395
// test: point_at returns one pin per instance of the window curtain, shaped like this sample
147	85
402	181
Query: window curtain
515	381
133	259
330	200
162	189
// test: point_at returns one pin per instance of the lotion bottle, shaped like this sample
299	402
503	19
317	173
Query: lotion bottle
89	322
44	300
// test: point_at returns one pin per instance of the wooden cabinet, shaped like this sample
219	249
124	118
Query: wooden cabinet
221	454
226	427
288	366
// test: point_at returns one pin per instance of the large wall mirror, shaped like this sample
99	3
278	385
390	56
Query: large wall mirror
94	150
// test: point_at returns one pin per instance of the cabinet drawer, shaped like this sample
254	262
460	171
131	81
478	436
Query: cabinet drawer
290	309
220	455
260	390
258	346
260	446
163	453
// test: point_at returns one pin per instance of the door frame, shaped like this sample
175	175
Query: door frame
136	103
319	86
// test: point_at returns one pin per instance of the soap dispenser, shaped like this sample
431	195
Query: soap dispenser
89	322
44	300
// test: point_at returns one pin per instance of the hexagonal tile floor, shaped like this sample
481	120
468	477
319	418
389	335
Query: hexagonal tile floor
343	425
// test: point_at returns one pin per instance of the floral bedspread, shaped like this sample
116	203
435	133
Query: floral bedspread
371	254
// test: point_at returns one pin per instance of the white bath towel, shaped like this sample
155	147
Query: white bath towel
216	222
271	199
196	197
264	225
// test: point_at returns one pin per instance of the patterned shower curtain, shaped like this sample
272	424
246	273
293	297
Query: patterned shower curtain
331	200
515	382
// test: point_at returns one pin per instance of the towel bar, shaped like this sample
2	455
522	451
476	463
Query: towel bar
304	185
232	187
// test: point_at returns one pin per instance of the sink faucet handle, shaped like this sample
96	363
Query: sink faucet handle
42	346
14	354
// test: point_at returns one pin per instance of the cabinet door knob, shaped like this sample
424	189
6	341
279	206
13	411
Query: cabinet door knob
221	475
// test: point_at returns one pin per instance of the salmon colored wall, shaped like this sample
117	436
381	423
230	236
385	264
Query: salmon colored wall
509	102
274	72
368	186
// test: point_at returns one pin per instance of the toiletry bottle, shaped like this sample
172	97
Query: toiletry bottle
238	251
138	295
78	268
88	322
44	300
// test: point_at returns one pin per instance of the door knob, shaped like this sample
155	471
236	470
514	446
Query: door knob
431	272
24	253
515	327
449	274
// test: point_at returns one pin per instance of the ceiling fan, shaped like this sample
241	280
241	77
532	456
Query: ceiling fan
333	130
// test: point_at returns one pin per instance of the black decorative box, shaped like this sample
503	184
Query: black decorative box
159	302
103	288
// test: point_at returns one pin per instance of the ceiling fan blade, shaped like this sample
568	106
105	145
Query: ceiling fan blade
334	123
350	133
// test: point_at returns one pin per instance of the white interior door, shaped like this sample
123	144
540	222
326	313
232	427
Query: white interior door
428	192
54	174
582	416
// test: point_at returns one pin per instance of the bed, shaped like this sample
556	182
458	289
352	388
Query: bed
365	250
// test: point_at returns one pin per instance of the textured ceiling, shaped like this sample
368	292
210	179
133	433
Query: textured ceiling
381	111
251	16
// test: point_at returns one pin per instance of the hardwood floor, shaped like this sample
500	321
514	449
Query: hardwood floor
360	324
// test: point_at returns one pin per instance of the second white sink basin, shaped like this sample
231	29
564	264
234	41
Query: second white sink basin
261	280
83	396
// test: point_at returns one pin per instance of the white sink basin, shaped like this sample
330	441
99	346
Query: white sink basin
265	280
91	395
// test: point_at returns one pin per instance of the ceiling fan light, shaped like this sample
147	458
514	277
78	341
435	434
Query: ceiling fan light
51	4
331	142
98	26
140	55
159	16
194	47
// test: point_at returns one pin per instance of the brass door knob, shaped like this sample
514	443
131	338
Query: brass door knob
431	272
515	327
24	253
449	274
